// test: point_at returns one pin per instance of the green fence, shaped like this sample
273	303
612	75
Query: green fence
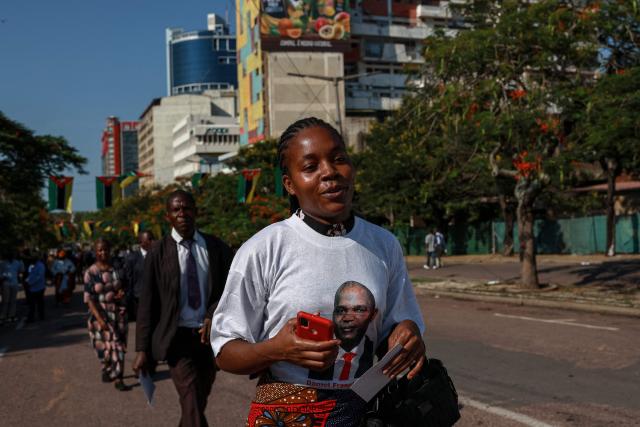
585	235
461	239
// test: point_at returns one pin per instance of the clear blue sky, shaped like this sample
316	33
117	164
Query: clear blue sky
67	65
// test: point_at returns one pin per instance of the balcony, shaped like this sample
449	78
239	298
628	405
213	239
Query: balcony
373	104
380	80
436	12
381	29
392	52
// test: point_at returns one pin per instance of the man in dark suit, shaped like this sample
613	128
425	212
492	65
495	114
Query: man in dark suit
133	271
184	275
354	308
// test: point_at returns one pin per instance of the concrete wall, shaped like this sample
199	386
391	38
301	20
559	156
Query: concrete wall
355	129
291	98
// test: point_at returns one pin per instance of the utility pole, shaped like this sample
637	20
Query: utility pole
335	80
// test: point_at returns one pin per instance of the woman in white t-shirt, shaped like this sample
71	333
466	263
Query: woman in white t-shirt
322	260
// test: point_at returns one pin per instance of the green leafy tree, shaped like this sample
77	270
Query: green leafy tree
26	160
219	211
416	164
609	129
514	71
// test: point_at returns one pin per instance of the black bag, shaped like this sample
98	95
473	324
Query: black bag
427	400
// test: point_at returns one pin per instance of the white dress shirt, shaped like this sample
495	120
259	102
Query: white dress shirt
355	362
189	317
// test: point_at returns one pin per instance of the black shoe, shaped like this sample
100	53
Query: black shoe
120	385
106	378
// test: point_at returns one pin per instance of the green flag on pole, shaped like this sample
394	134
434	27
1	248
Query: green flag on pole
108	191
60	188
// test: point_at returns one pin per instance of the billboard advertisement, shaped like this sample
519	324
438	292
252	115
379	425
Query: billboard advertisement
305	25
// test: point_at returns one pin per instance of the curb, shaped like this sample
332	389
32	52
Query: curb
531	302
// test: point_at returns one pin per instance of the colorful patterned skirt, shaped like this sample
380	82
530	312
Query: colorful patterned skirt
281	404
110	345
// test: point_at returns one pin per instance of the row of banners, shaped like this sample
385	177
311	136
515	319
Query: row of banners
109	188
67	229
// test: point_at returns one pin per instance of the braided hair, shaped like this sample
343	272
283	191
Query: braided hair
290	133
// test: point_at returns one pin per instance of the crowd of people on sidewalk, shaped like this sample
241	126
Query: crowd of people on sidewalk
32	271
200	308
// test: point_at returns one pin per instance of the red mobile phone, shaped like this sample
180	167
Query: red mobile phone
312	327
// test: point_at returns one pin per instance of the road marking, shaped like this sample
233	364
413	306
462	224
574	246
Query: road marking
505	413
567	322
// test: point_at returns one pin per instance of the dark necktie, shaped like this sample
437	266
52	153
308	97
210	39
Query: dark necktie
193	285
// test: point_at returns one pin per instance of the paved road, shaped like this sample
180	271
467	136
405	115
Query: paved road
512	365
558	367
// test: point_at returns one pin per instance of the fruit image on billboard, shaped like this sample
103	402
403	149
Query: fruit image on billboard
320	20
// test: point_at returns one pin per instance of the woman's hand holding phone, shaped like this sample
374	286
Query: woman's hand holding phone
314	355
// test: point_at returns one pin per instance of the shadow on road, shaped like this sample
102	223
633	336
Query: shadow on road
63	326
612	274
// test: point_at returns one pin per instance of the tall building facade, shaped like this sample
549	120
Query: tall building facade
201	60
165	133
290	63
199	140
386	42
119	152
344	61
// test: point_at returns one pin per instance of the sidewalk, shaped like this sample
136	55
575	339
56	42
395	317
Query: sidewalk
589	283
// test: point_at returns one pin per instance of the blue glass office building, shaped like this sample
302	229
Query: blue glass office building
201	60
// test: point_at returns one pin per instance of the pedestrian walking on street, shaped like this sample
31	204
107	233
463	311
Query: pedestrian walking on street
11	269
133	271
35	286
63	271
184	275
105	297
440	249
322	259
430	249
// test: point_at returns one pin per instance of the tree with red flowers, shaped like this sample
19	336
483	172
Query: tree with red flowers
515	70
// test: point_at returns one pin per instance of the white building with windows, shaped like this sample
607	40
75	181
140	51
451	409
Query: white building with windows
198	141
183	131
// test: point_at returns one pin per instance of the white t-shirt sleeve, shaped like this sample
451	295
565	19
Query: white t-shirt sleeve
240	312
401	300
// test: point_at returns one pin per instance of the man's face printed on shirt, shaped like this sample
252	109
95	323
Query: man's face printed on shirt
354	308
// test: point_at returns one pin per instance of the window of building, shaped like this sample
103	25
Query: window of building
373	49
227	59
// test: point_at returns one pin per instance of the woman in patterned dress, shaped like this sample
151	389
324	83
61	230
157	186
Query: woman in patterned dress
104	294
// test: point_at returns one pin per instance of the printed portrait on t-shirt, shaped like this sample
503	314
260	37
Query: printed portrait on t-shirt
353	310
